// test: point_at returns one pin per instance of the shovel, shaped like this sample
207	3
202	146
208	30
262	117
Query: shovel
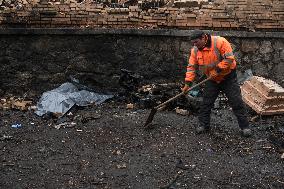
160	106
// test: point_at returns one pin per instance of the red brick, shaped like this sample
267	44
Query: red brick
264	96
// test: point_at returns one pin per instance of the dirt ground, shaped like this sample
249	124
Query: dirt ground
109	148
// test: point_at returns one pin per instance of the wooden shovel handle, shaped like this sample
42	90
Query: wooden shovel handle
182	93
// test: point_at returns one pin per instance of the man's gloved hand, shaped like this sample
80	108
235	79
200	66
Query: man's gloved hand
215	72
186	87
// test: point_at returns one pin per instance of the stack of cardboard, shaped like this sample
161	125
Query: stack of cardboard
263	95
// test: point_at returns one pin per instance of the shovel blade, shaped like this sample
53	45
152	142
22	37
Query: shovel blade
150	117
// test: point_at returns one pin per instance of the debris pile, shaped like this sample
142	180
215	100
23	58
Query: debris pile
181	14
16	103
149	95
263	95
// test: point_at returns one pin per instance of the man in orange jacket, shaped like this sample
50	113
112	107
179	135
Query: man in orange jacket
213	55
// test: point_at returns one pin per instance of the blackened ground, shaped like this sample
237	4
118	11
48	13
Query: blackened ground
112	150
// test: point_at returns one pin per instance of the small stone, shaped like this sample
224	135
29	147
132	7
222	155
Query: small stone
130	106
182	112
121	166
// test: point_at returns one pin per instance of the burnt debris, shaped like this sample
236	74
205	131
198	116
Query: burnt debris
150	95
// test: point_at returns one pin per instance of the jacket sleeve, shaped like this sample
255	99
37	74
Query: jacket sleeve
226	52
192	66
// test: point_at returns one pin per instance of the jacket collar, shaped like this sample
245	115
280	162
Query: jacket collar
208	45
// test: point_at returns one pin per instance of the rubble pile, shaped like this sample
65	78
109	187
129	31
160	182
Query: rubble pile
263	95
147	96
144	96
16	103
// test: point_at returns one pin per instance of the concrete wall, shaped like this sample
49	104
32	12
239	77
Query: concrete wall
33	61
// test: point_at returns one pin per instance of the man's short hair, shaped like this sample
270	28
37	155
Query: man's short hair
196	34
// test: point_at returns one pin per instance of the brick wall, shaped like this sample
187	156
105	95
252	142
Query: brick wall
251	15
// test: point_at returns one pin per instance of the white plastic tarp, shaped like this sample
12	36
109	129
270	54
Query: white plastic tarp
61	99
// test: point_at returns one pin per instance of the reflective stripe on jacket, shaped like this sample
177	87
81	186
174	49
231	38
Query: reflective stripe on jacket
220	54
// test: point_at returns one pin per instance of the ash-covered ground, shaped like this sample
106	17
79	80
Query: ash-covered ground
106	146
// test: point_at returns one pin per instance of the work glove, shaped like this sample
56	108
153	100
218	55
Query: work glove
215	72
186	87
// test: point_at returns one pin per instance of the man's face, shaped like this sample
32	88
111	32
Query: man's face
199	43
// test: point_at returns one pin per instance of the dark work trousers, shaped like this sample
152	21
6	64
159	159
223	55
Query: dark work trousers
232	91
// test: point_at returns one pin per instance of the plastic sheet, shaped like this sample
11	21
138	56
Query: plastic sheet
61	99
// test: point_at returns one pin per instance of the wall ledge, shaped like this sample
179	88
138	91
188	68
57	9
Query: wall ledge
140	32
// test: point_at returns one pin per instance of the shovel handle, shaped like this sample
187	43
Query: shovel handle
182	93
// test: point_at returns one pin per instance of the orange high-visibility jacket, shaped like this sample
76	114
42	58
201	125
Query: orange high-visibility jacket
220	54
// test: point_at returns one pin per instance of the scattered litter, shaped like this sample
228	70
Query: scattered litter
33	108
197	177
61	99
130	106
146	88
210	151
172	181
15	103
281	129
8	164
221	101
261	140
77	117
18	125
79	130
182	111
6	137
266	147
254	118
21	104
193	93
121	166
277	141
282	156
62	120
181	165
89	116
280	181
65	125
